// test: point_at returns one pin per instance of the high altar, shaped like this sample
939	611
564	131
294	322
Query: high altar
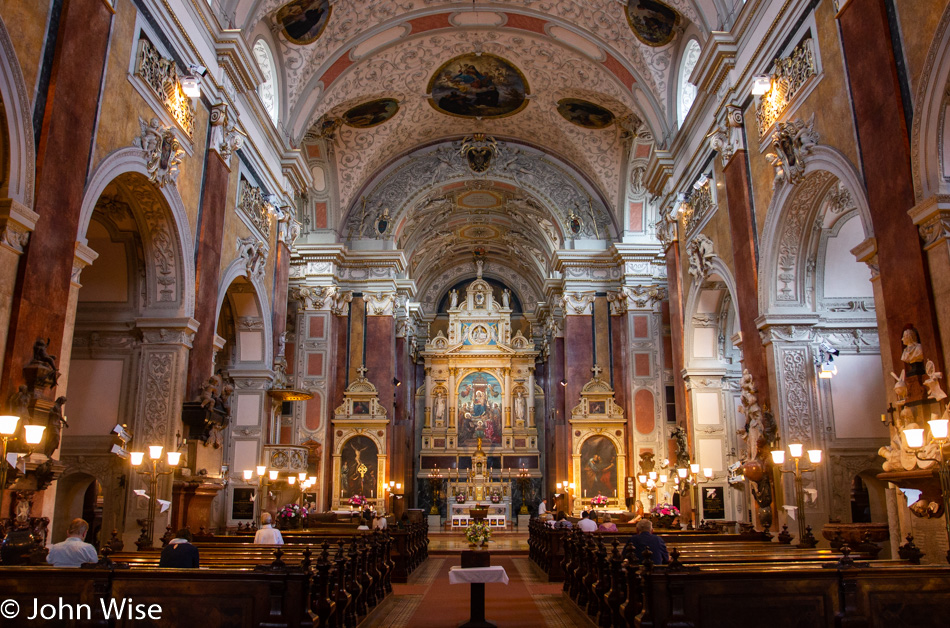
480	404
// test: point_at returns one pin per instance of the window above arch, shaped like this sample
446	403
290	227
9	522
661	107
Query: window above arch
268	89
687	91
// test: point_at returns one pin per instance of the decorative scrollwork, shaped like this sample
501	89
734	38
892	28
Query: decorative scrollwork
161	74
790	74
253	205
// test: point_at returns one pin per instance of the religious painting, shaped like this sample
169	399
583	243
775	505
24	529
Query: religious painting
371	113
358	467
479	410
478	86
598	467
360	407
653	22
303	21
598	407
584	113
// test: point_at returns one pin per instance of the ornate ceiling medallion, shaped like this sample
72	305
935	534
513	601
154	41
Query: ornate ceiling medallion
478	86
653	22
303	21
478	151
584	113
371	113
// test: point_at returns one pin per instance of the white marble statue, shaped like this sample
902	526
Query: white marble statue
439	407
913	352
933	382
506	298
900	387
520	407
453	299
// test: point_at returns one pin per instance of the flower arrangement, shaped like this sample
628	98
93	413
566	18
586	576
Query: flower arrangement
460	498
495	498
664	515
358	501
292	511
598	500
665	510
478	533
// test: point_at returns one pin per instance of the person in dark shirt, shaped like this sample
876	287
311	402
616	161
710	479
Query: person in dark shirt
180	553
645	539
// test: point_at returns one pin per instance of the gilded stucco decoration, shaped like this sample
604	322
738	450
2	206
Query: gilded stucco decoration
792	142
162	76
790	75
700	254
251	203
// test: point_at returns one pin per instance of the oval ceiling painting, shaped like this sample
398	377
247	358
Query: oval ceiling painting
584	113
478	86
653	22
371	113
303	21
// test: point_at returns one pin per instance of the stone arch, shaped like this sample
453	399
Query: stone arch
718	273
786	234
930	135
164	224
237	270
18	173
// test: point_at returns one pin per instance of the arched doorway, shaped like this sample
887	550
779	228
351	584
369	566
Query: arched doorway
130	338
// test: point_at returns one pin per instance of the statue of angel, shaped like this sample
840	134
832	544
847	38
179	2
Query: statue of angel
900	387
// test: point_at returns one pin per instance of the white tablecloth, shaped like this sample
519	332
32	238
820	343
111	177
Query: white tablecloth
457	575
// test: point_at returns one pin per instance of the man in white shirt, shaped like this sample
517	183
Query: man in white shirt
74	551
268	534
586	524
542	508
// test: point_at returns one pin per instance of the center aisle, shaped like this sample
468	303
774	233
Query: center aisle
429	601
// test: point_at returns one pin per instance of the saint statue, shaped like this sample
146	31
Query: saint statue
439	407
519	407
453	299
506	298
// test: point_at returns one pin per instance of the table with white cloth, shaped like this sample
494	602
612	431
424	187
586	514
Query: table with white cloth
477	577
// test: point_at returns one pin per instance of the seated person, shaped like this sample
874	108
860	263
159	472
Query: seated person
586	524
268	534
645	539
180	553
608	525
74	551
543	509
562	521
379	523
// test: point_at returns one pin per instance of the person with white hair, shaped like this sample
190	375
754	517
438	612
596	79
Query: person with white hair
268	534
645	539
74	551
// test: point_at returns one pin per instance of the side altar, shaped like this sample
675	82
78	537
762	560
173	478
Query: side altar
479	441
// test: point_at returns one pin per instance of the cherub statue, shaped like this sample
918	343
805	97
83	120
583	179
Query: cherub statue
41	356
900	387
206	396
933	382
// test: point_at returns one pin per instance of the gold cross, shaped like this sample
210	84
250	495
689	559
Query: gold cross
597	371
362	371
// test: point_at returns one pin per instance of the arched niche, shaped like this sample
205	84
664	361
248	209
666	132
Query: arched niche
930	133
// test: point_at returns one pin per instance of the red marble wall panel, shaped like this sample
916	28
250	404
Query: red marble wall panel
641	326
645	411
279	295
636	216
313	413
317	326
320	215
642	364
315	364
290	352
578	357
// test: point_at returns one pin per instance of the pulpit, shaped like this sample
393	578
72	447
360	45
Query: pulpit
479	513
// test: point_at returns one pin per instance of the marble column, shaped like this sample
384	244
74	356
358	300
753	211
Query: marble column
428	402
84	256
875	91
214	195
44	273
531	419
453	398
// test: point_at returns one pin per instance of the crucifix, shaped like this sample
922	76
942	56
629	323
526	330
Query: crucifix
596	370
362	371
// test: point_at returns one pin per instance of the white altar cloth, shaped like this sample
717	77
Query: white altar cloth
474	575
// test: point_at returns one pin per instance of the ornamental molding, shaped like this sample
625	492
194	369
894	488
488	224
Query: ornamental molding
699	207
636	297
253	252
380	303
795	231
162	76
667	228
577	303
225	136
932	218
254	207
792	142
790	75
163	152
728	138
17	222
